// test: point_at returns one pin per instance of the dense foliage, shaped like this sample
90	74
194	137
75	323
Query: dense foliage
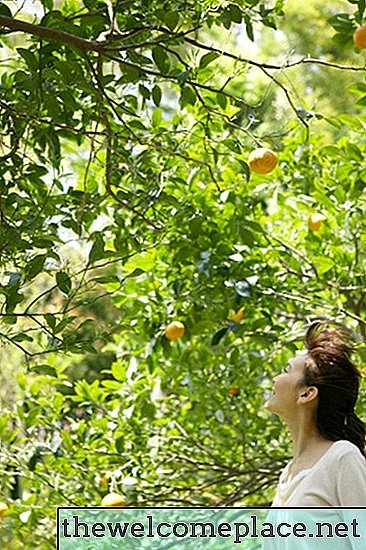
126	202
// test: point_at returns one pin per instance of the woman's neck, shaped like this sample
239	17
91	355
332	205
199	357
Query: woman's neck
306	438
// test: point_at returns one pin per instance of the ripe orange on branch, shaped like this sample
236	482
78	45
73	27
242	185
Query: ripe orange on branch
233	390
113	500
3	509
174	330
359	37
262	160
315	221
239	315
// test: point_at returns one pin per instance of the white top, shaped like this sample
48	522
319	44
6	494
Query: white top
338	478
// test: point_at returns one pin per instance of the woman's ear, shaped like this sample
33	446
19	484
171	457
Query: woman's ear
308	394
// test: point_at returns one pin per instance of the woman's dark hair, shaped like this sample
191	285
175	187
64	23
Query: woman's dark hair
332	371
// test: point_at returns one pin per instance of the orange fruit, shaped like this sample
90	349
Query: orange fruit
174	330
104	481
315	221
238	316
233	390
359	37
113	500
3	509
262	161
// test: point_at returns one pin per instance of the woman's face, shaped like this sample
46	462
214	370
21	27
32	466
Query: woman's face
287	387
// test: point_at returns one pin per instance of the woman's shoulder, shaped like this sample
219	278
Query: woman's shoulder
343	447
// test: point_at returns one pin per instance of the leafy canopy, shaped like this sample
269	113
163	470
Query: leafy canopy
126	202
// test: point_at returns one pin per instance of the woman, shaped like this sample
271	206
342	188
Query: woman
316	395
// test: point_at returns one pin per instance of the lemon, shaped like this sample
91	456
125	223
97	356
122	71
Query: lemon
174	330
262	161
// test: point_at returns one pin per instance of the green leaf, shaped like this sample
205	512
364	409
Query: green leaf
67	440
219	335
157	118
130	73
249	27
45	369
351	121
148	410
53	18
358	88
120	444
221	100
361	7
330	151
22	337
37	454
50	320
35	266
361	103
235	13
171	19
63	282
161	59
118	372
323	264
112	385
207	59
156	95
97	250
342	22
145	92
4	10
48	4
187	96
29	58
354	152
135	273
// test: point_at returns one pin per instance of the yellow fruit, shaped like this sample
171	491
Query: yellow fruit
3	509
359	38
113	500
233	390
104	481
315	221
239	315
262	161
174	330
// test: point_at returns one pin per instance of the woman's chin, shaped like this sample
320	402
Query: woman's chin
270	406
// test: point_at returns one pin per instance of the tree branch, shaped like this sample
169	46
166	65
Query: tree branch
51	34
98	75
288	65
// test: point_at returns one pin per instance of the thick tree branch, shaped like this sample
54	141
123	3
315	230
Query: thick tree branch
14	25
51	34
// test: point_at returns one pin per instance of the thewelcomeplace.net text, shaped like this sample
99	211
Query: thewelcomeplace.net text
74	527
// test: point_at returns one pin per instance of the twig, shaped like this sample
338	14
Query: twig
15	146
288	65
289	99
108	168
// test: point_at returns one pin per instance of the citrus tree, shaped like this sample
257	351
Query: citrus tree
129	201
